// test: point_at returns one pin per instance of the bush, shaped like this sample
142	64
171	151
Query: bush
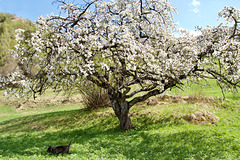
94	97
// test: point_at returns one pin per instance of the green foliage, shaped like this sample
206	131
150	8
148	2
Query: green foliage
8	24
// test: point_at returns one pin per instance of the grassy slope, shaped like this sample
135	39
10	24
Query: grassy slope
159	133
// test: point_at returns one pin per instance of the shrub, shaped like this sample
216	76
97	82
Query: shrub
94	97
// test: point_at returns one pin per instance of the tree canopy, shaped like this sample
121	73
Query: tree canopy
129	48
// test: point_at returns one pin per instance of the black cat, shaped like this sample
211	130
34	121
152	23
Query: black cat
59	149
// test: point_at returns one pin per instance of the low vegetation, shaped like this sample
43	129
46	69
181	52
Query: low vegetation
161	129
93	96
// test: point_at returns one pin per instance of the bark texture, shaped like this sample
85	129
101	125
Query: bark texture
121	109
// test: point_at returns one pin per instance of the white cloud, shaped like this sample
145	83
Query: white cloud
195	10
195	3
190	32
195	33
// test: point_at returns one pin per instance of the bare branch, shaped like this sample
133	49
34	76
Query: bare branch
148	88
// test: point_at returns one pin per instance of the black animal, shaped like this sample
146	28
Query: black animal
59	149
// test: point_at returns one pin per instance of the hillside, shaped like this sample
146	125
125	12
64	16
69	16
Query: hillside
12	17
8	24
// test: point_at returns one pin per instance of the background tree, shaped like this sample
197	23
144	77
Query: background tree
127	47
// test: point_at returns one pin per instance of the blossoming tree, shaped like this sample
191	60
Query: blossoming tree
127	47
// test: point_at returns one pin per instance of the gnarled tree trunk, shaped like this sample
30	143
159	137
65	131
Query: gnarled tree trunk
121	109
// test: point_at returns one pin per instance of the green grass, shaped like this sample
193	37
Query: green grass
96	135
49	102
209	88
160	131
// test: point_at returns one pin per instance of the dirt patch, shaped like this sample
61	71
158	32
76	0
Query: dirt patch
201	117
191	99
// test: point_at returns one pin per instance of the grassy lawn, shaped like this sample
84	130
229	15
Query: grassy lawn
160	130
209	88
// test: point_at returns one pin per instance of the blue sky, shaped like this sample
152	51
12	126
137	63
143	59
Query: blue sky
191	12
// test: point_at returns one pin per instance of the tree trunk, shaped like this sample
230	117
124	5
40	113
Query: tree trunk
121	109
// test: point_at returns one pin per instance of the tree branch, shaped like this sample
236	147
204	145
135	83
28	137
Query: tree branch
82	13
145	96
148	88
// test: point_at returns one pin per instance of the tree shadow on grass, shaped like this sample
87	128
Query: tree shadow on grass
46	120
185	145
105	140
133	144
